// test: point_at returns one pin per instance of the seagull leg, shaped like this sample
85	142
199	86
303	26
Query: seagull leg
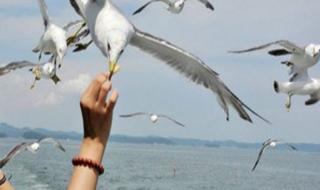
73	37
288	103
82	47
55	79
37	73
33	83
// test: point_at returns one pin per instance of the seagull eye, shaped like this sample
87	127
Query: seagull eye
109	47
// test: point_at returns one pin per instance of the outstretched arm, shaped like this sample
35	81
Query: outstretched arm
6	185
97	120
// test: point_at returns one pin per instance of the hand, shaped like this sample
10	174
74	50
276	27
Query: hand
97	115
97	120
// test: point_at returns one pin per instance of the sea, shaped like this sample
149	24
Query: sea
157	167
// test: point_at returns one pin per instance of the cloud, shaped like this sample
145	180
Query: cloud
15	2
50	99
65	90
76	85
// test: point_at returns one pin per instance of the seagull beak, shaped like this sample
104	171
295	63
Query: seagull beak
113	68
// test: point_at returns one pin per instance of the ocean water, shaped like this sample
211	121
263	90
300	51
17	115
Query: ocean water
145	167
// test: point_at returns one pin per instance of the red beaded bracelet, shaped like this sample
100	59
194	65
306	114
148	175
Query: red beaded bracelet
78	161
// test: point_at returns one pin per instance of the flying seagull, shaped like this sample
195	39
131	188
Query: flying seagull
46	70
300	84
301	59
153	117
174	7
112	32
32	147
13	152
269	144
15	65
54	39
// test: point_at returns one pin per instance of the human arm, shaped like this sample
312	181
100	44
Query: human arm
6	185
97	121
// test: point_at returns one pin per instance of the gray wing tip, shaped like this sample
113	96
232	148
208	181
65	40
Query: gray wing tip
62	148
209	6
237	52
142	7
138	11
254	168
242	109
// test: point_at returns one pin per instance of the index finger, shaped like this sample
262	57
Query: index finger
93	89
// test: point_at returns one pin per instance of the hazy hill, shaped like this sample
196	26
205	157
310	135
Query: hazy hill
7	130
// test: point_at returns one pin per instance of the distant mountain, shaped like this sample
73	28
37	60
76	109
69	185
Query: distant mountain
7	130
28	133
141	140
10	130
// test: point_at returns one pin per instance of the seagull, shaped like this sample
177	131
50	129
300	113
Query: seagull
301	59
300	84
270	144
46	70
54	39
32	147
16	150
112	32
175	6
153	117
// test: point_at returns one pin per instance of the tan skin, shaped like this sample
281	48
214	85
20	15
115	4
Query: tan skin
97	121
7	185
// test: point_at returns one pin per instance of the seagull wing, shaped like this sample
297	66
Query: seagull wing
291	146
44	13
259	156
78	8
16	65
13	152
207	4
148	3
54	142
289	46
134	114
191	67
267	141
171	119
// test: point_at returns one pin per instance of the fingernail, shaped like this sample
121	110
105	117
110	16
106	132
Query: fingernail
106	85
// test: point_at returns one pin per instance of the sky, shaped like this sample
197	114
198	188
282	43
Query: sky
146	84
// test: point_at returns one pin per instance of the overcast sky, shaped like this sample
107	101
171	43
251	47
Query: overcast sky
146	84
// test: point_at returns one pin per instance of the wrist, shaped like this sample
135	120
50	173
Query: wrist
92	149
1	174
